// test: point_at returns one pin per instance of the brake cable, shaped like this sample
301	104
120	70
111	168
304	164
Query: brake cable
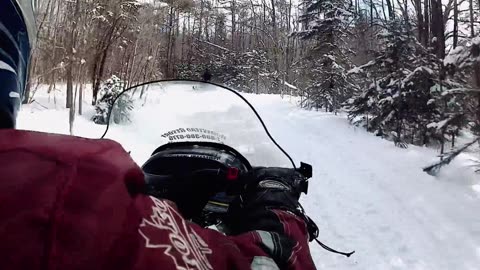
313	232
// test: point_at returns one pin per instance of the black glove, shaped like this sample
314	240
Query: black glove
271	189
275	188
268	189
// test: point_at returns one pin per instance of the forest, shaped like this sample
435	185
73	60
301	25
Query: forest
406	70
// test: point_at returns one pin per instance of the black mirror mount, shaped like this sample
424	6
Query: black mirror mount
306	170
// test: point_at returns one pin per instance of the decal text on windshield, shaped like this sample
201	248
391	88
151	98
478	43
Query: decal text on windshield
193	134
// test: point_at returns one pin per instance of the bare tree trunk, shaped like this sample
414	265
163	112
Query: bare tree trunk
80	83
254	31
42	21
200	20
405	14
69	100
102	49
420	23
184	34
455	24
391	13
275	35
371	12
289	17
51	18
131	67
80	99
233	21
426	26
207	37
99	73
53	78
169	67
453	140
438	28
70	97
288	46
472	21
383	10
31	70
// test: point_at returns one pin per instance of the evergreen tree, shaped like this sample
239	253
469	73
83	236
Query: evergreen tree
409	99
109	92
327	60
463	63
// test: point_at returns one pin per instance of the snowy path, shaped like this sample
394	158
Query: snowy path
369	196
366	194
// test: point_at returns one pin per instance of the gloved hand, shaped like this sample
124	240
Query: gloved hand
278	188
273	189
268	189
268	205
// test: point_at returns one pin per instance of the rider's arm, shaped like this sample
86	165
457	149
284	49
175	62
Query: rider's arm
71	203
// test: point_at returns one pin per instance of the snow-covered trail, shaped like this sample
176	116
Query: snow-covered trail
372	197
366	194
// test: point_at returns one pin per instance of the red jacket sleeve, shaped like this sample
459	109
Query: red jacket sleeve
69	203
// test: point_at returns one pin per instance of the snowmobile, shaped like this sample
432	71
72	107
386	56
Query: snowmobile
198	130
205	137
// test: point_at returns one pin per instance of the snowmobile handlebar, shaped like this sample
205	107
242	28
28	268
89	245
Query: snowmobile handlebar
231	180
192	191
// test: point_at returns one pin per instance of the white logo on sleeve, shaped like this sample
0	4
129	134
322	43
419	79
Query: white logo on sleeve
186	248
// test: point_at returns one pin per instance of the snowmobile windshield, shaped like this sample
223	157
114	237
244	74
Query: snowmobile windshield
145	117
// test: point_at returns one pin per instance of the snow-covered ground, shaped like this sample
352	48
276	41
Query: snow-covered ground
366	194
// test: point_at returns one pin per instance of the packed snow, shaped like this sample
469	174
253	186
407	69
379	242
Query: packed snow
366	194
